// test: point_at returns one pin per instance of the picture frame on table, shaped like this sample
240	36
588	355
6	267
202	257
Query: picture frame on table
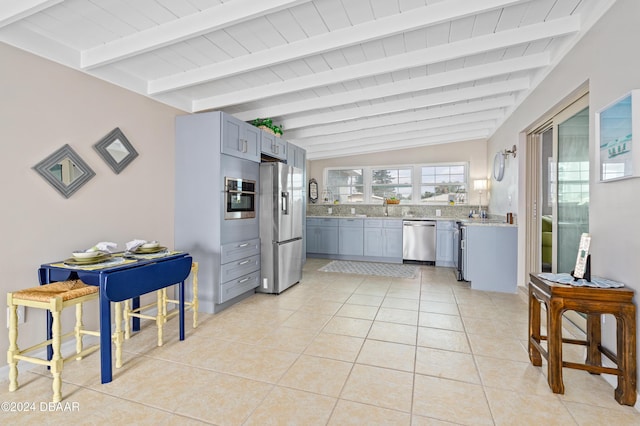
616	127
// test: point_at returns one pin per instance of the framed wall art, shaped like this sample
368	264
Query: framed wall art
116	150
616	126
65	171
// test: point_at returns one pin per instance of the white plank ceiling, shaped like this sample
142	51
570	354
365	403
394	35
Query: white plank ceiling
344	77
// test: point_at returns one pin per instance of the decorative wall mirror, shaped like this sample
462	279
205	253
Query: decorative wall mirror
116	150
313	190
65	171
498	166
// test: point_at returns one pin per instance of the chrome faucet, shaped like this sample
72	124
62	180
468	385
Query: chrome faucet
386	206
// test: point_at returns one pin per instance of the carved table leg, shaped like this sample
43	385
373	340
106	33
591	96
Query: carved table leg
534	329
554	340
594	356
626	335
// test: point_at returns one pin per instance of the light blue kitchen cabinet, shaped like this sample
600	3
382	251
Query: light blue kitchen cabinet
296	156
491	257
240	139
373	238
392	239
322	236
351	237
273	146
444	243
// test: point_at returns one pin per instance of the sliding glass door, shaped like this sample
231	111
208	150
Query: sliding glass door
573	188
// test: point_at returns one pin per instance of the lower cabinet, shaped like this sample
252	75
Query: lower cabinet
351	237
355	239
322	236
239	269
444	243
491	255
383	238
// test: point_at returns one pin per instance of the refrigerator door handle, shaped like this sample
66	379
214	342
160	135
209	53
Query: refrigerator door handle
285	202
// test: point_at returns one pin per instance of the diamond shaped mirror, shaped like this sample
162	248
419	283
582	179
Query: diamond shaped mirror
116	150
65	171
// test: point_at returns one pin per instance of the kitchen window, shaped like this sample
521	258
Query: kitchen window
443	184
387	183
439	183
345	186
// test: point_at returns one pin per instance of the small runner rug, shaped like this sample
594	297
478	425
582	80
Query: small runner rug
371	268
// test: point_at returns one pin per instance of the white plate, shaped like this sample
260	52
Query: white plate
86	254
150	245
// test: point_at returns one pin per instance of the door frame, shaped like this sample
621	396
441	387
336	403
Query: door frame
570	106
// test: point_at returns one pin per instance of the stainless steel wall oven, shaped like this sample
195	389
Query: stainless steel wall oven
240	198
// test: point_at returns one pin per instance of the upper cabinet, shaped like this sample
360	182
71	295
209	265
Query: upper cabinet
273	146
240	139
296	156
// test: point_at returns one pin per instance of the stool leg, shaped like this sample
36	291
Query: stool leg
159	317
56	361
118	335
13	344
77	330
194	290
163	306
127	323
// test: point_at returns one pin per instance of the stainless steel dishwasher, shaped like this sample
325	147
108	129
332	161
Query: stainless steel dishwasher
419	240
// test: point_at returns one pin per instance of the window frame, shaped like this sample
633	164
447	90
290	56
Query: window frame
416	180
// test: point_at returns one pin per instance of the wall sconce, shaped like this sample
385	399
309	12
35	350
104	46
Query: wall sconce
480	185
511	151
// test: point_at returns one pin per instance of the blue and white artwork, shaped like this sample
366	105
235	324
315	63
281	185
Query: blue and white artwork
616	137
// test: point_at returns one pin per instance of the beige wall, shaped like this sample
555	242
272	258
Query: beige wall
607	58
42	107
475	152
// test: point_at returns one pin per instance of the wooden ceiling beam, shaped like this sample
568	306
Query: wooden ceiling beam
489	117
332	152
493	104
421	57
345	37
413	85
206	21
443	98
14	10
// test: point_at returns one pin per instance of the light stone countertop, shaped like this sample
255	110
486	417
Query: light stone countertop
466	221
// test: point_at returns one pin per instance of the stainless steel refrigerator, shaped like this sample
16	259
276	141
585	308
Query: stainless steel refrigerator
281	209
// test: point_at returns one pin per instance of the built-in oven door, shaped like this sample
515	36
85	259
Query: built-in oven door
240	199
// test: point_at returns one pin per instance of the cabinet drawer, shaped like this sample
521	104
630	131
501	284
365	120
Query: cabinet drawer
317	221
373	223
445	225
237	268
239	250
240	285
351	223
393	224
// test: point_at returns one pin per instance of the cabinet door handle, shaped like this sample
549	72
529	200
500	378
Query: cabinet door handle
244	280
243	245
244	262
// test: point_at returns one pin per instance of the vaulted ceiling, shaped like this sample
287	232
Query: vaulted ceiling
342	77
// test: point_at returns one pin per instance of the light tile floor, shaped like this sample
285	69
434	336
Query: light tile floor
335	349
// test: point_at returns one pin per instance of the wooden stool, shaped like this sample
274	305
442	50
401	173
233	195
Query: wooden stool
54	298
594	302
193	305
161	303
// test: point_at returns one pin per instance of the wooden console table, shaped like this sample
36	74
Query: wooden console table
593	302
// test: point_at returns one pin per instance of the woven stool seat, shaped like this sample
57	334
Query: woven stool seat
66	289
54	297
